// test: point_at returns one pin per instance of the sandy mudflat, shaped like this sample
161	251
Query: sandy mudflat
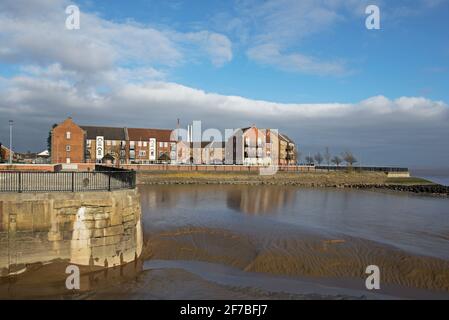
297	255
337	264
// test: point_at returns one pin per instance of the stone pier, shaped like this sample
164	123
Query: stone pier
91	229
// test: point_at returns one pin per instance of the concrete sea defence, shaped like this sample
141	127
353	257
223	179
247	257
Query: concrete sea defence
100	229
342	179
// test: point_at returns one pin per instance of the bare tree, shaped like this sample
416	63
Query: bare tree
336	160
349	158
327	156
309	160
298	156
319	158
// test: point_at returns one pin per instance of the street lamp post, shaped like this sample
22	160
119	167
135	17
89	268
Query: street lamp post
10	140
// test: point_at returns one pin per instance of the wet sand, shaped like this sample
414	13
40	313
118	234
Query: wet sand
303	256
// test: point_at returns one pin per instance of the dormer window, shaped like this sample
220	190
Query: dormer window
68	135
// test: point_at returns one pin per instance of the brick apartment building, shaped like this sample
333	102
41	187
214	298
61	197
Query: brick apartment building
287	150
72	143
113	144
151	145
255	146
68	143
4	153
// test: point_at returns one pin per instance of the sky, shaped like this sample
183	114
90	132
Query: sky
309	68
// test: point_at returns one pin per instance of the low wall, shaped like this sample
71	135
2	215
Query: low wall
28	167
398	174
211	168
91	229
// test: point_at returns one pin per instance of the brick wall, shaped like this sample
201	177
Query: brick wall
61	141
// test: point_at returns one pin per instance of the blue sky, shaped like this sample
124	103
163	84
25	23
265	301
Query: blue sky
409	56
309	68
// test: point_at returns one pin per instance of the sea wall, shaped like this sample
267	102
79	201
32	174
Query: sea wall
91	228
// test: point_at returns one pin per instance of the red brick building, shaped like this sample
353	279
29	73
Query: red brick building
120	145
4	153
151	145
255	146
68	143
92	144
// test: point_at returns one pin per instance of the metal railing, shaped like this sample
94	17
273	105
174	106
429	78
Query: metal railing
358	168
19	181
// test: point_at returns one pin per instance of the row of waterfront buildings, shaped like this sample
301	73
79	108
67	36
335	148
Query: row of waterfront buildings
73	143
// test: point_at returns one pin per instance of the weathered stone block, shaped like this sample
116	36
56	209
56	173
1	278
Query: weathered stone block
99	224
105	241
112	231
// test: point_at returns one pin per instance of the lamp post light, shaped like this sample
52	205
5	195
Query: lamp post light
11	122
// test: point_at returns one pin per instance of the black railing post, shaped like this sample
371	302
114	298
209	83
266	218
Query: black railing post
72	181
20	182
134	179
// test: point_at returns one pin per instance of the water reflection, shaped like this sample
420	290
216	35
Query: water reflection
48	281
253	200
260	200
415	223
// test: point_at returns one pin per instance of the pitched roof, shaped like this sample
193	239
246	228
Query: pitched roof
139	134
4	147
286	138
109	133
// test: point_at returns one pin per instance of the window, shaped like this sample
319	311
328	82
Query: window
165	144
123	143
113	142
68	135
108	142
139	143
259	142
67	160
89	143
145	144
142	153
67	148
131	144
161	144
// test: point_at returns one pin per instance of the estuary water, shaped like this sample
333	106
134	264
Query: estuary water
417	224
270	242
288	240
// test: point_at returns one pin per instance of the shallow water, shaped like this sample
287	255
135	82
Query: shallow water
270	242
416	224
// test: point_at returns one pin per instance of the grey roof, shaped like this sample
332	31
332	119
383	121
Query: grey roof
286	138
109	133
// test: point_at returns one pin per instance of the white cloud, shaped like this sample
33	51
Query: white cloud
218	46
33	32
273	30
294	62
